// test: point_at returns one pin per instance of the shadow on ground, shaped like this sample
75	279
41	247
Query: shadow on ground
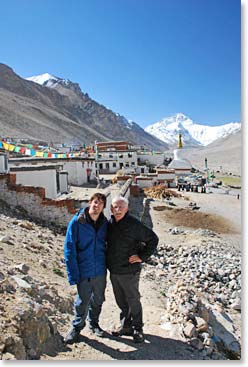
154	348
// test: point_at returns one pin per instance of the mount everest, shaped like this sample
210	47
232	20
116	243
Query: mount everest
193	134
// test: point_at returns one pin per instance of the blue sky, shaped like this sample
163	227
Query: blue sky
145	59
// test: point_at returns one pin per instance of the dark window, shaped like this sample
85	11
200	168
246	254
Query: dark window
5	163
57	182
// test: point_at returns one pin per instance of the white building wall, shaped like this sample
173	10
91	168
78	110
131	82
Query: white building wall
166	176
77	171
156	159
182	172
108	166
144	183
42	178
126	160
142	169
122	159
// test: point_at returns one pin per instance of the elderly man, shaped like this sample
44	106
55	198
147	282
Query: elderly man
129	243
85	258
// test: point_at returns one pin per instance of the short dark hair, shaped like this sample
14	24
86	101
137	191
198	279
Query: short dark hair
100	197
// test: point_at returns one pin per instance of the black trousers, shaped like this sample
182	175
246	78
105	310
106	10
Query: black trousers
127	296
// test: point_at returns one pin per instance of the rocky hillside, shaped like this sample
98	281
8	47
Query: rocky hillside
61	114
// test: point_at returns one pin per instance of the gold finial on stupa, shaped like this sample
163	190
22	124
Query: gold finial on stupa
180	144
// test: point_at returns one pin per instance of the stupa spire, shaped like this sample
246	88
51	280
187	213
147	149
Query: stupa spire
180	144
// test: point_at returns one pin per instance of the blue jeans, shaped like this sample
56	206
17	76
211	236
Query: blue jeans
88	302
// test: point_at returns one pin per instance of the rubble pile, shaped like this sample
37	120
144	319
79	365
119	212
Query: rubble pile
32	306
202	286
31	314
207	327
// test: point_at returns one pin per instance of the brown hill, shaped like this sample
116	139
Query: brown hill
61	114
225	152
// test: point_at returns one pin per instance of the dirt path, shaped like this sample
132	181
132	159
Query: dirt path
159	343
227	206
219	213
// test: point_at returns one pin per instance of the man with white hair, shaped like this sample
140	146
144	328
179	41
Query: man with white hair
129	243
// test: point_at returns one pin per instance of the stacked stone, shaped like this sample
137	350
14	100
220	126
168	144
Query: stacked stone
185	308
206	327
200	283
213	269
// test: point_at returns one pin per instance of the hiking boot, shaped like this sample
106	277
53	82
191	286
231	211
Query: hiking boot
72	336
128	331
96	330
138	336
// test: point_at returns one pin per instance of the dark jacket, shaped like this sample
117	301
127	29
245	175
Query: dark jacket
85	247
125	238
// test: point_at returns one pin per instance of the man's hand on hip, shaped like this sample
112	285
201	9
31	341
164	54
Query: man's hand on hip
134	259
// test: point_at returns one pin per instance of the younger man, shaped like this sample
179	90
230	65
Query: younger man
85	258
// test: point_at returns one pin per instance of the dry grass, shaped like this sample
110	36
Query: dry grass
230	180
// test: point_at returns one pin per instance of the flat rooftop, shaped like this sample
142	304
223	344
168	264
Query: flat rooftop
81	193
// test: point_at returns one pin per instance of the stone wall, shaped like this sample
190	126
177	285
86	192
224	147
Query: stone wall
114	191
31	201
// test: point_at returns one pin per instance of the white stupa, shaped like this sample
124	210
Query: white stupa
182	166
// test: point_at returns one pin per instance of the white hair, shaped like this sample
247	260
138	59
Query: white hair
120	198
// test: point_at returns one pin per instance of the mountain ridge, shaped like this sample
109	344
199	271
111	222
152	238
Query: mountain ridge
61	114
193	134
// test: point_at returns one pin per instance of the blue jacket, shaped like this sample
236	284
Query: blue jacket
85	248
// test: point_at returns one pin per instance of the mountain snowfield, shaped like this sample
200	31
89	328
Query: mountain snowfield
167	130
192	133
47	80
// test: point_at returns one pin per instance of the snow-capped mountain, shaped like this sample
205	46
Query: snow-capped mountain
47	80
52	81
168	129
